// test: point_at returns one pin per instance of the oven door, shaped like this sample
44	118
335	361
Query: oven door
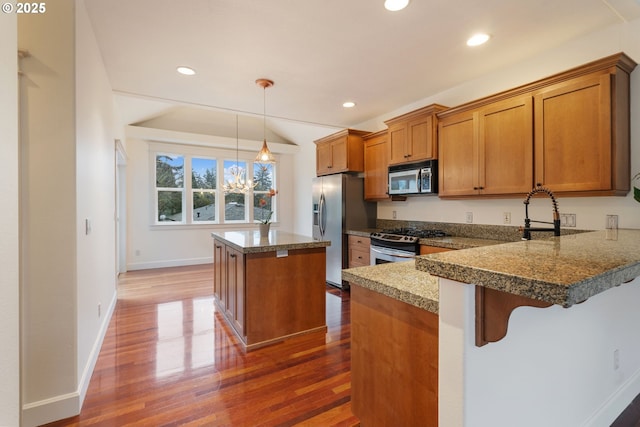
380	255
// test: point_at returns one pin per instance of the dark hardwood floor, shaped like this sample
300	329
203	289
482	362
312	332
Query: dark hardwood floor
169	359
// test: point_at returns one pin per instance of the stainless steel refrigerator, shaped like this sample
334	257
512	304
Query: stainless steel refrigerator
338	206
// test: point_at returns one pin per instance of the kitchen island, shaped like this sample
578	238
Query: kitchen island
571	355
269	289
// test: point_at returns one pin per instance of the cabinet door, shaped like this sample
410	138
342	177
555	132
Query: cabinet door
457	146
323	158
376	168
397	143
573	135
339	155
421	144
219	273
235	278
505	147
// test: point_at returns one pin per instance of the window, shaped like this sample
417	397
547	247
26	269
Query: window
235	203
203	188
201	200
169	187
263	202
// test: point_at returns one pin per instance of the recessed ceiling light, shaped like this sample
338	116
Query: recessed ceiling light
349	104
477	39
187	71
394	5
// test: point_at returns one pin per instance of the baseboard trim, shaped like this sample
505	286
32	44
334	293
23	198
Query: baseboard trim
70	404
168	263
616	403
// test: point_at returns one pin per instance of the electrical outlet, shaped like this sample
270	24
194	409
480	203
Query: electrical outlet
469	217
568	220
137	252
394	215
616	359
506	217
612	222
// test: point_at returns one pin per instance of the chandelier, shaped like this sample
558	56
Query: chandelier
265	155
238	184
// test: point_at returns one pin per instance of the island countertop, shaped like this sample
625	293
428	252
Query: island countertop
563	270
249	241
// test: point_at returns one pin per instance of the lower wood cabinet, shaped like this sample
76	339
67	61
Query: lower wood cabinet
394	361
359	255
267	297
426	249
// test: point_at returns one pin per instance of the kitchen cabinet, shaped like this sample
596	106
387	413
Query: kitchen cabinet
394	361
376	166
488	151
582	135
359	251
268	292
340	152
412	137
426	249
229	285
568	132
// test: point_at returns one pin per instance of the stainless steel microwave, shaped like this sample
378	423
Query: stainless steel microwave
414	178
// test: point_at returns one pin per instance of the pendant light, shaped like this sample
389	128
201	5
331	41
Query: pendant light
265	155
239	184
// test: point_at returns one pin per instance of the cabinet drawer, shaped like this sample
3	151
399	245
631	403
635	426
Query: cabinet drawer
359	251
359	242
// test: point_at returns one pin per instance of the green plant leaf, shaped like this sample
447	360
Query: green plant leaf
636	194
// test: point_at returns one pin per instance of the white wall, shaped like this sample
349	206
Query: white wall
9	243
96	132
555	367
48	207
67	175
590	212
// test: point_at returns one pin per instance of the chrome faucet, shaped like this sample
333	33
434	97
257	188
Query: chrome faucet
527	229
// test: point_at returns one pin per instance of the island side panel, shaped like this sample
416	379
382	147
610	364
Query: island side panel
394	361
285	295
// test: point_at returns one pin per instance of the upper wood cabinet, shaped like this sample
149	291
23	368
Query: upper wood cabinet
376	166
582	135
412	137
569	132
488	151
340	152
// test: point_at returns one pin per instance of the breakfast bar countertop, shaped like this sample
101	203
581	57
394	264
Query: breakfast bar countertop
249	241
398	280
563	270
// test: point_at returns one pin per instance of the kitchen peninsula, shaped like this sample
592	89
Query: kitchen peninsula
570	356
272	288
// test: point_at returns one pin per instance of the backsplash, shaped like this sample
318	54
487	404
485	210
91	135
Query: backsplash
507	233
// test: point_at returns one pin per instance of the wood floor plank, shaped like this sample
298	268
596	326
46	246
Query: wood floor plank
169	359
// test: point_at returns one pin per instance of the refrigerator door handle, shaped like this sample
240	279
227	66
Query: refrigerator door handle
322	215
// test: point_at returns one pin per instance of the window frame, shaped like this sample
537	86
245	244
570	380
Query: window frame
220	155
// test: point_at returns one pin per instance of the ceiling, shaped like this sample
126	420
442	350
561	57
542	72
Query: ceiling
319	53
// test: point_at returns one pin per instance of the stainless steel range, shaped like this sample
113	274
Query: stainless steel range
398	244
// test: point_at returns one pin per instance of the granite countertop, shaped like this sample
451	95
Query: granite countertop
449	242
249	241
453	242
398	280
563	270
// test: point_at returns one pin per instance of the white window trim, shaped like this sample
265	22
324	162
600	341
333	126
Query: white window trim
220	155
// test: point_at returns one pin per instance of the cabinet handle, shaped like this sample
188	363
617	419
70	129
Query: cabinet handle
218	246
232	255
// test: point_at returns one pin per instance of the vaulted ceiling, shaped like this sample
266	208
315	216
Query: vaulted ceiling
320	53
